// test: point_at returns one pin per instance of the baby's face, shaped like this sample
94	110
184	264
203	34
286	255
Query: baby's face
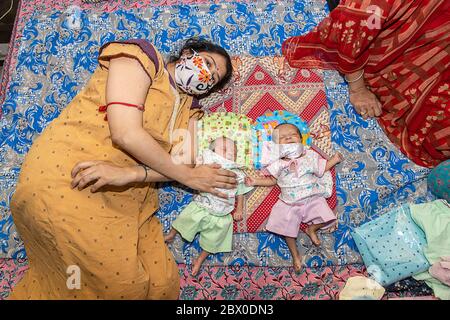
286	133
226	148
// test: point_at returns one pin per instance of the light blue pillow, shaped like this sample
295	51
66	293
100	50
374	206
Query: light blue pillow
391	246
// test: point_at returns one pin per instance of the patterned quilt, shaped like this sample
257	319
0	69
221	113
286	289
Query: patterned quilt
54	52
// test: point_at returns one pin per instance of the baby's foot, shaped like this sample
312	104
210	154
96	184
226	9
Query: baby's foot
169	237
297	264
332	228
196	268
311	232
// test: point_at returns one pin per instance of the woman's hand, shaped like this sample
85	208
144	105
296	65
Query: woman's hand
207	178
365	102
101	173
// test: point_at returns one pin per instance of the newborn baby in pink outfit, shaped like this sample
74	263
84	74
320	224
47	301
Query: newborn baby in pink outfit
301	201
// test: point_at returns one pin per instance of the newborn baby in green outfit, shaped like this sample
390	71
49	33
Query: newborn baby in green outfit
209	215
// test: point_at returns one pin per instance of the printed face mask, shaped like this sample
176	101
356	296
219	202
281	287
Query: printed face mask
291	150
192	75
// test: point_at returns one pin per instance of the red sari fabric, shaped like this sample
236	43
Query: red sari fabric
404	49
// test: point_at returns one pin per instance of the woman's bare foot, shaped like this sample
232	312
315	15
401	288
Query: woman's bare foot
311	231
170	236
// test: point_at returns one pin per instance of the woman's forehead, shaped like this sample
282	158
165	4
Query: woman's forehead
218	60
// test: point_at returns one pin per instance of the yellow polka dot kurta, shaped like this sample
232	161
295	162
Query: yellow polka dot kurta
111	237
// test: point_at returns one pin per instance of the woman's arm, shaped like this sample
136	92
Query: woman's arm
105	173
355	80
128	82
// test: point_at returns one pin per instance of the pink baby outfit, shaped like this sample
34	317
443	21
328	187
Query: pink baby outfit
303	193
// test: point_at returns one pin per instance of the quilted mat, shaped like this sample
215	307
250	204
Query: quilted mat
40	80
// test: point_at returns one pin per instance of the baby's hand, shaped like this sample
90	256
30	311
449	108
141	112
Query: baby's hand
249	181
338	157
293	166
238	215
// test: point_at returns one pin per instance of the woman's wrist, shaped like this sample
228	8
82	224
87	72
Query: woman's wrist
357	86
179	172
187	174
354	76
145	170
137	173
355	81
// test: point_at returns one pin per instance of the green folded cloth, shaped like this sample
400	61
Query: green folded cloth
434	219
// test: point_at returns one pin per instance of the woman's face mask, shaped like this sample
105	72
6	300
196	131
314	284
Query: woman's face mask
290	150
192	75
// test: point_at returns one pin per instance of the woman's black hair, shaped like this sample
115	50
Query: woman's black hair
202	45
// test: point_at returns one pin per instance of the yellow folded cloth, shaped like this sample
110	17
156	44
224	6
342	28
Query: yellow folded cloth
361	288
